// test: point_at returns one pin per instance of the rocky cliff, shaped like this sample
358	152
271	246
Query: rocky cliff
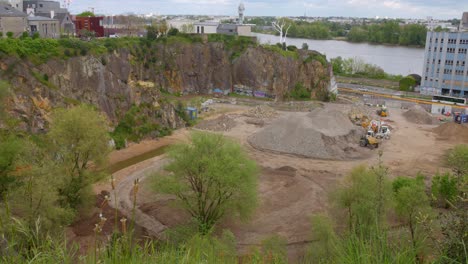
115	81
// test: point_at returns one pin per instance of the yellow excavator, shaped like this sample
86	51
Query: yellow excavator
382	112
369	140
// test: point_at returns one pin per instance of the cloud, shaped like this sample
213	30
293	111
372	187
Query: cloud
356	8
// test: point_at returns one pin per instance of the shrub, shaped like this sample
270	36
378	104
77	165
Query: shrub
305	46
292	48
299	92
9	34
173	32
407	84
36	35
444	188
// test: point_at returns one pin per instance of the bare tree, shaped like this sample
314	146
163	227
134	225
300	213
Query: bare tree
282	27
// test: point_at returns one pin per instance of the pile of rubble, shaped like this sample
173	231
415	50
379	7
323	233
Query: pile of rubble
322	134
418	115
261	111
220	124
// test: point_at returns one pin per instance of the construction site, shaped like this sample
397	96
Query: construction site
303	149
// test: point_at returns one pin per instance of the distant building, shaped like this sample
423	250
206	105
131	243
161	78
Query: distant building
46	27
464	22
205	27
446	64
12	20
51	9
236	30
93	24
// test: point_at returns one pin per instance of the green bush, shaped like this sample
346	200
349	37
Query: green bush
9	34
299	92
317	57
291	48
444	189
407	84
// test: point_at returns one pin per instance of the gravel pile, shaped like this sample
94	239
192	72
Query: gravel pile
322	134
255	121
452	131
261	111
418	115
222	123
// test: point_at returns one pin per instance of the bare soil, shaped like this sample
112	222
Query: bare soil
291	188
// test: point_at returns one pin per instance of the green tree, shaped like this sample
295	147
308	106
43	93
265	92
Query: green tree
411	202
457	160
79	137
407	84
337	64
444	188
357	34
10	149
211	177
365	195
86	14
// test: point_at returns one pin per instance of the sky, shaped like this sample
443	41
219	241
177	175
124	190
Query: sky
441	9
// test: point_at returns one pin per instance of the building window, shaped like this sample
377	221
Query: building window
461	51
425	78
440	49
40	5
438	62
441	40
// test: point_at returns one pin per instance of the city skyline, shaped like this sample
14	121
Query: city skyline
315	8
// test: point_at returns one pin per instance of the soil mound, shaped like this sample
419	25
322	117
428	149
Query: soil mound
222	123
452	131
322	134
418	115
261	111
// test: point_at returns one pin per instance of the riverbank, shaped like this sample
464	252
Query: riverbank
394	60
344	39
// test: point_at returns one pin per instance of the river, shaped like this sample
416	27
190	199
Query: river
392	59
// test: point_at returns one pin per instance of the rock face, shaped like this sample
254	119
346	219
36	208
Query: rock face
114	82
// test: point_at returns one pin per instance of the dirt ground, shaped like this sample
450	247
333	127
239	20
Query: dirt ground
291	188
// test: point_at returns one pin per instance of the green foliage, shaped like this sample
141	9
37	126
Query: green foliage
317	57
357	34
236	44
444	188
411	202
356	67
279	50
324	238
299	92
337	64
36	35
457	160
407	84
211	177
173	32
275	248
137	124
9	34
10	150
86	14
79	137
365	194
291	48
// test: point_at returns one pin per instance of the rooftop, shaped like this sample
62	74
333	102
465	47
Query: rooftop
7	11
40	18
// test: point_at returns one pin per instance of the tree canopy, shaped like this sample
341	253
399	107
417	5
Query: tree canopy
211	177
86	14
80	136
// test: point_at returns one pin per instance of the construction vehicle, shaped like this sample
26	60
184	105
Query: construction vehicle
369	140
382	112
